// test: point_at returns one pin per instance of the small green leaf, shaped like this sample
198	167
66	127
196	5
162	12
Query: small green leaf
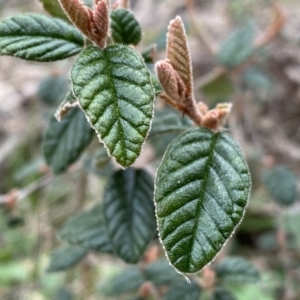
129	212
64	142
53	89
237	269
54	9
160	273
168	120
115	90
39	38
237	47
87	230
222	294
202	189
181	290
128	281
125	28
281	184
65	257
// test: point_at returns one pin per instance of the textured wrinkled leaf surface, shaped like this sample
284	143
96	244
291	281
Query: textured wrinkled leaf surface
87	230
237	47
64	141
65	257
237	269
115	90
181	290
39	38
125	28
222	294
129	212
281	184
54	9
202	189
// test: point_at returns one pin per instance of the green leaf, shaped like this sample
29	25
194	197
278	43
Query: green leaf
168	120
125	29
87	230
237	269
115	91
129	212
202	189
65	257
222	294
54	9
237	47
160	273
39	38
64	142
281	184
128	281
53	89
181	290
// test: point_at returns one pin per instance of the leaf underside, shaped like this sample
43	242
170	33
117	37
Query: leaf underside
202	189
125	28
129	212
87	230
64	142
39	38
115	90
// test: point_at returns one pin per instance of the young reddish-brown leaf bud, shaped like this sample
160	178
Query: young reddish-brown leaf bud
178	53
79	14
92	23
101	22
170	80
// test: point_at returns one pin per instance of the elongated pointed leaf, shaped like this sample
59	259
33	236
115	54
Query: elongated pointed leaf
115	90
237	269
54	9
129	212
64	142
125	28
202	189
88	230
65	257
181	290
39	38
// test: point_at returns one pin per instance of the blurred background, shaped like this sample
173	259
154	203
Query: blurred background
244	52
